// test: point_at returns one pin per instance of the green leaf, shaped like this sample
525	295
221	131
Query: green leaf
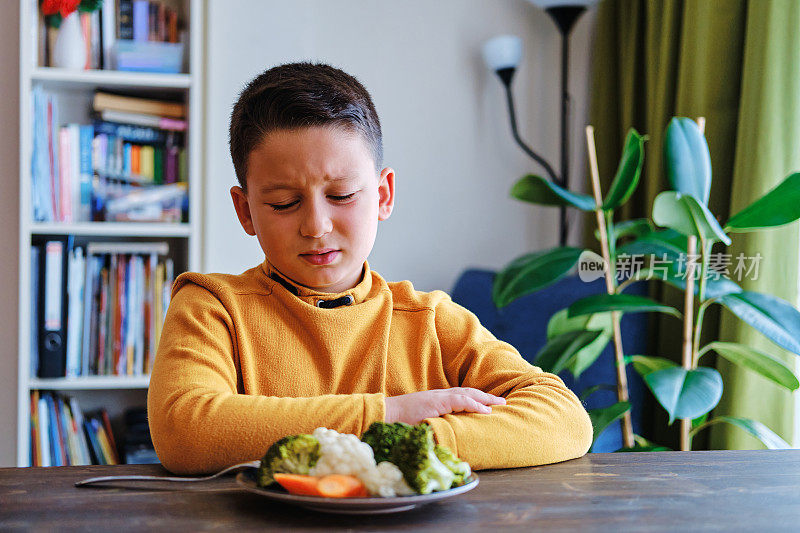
584	358
644	445
760	362
670	267
532	272
594	388
645	364
625	303
602	418
699	421
687	162
777	319
635	228
537	190
769	438
556	354
685	393
686	215
779	206
628	173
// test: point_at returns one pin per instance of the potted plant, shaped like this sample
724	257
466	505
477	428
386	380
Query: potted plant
668	251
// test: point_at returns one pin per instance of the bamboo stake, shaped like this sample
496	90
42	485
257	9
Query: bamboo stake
688	316
688	326
622	379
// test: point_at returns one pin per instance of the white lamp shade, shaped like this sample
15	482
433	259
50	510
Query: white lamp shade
544	4
503	51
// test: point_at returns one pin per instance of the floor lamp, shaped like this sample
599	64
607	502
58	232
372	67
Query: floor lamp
502	55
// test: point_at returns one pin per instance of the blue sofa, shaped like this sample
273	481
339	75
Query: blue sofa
523	324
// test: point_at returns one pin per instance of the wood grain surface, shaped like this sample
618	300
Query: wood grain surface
663	491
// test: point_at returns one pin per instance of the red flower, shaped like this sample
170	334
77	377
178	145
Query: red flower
65	7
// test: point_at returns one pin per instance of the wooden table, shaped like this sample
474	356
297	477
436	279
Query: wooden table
666	491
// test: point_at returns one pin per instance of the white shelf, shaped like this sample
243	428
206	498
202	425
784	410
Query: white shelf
74	89
126	229
90	383
59	78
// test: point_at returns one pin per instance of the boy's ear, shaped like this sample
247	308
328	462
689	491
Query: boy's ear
242	207
386	193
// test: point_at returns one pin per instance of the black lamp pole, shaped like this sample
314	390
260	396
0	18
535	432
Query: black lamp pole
565	18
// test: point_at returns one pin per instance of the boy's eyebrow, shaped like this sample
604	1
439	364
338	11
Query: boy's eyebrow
289	186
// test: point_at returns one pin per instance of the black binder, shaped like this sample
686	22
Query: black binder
52	308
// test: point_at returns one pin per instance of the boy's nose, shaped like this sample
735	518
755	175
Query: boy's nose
316	222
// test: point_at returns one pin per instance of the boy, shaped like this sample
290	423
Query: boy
312	337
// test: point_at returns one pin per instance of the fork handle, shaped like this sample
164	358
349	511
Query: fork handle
102	479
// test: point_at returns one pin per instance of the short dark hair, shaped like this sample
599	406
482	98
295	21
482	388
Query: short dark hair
298	95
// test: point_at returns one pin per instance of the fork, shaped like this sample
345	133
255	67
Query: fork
102	479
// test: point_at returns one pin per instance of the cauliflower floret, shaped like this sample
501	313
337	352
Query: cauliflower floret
345	454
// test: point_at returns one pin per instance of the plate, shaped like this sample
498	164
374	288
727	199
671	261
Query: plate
374	505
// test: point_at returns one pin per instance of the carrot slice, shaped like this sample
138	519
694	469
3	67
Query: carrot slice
298	484
341	486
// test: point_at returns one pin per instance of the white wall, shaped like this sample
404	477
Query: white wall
445	124
9	229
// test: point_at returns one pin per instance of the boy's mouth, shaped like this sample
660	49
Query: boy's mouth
320	257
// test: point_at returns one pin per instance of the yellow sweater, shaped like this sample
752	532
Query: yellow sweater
242	361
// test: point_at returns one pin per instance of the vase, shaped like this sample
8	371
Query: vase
69	50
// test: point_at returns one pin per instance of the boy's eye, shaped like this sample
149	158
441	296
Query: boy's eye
281	207
340	198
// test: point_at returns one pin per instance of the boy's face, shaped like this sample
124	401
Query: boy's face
314	200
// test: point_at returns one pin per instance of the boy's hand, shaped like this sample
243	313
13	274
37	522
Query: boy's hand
415	407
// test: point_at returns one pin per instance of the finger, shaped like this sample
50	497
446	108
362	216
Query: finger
464	403
482	397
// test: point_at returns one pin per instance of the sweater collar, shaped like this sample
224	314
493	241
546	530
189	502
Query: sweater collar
356	295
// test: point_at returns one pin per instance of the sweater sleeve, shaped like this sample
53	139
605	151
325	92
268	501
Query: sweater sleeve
542	421
200	419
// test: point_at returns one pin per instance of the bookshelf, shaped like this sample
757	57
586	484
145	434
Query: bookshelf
75	89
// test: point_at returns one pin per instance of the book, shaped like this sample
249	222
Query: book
132	132
86	136
125	18
144	119
52	332
141	20
108	33
95	451
76	268
77	419
106	423
35	308
36	451
106	101
44	432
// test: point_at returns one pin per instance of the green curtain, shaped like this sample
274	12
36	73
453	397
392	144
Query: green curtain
735	63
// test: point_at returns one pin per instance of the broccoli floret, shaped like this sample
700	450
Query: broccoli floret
415	456
460	468
382	437
295	454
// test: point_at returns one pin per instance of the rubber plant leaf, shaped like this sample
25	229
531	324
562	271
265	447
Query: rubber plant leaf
555	355
602	418
779	206
762	363
687	161
685	393
628	172
686	215
768	438
532	272
537	190
625	303
777	319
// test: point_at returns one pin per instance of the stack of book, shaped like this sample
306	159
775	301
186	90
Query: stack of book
99	171
98	309
62	436
148	20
